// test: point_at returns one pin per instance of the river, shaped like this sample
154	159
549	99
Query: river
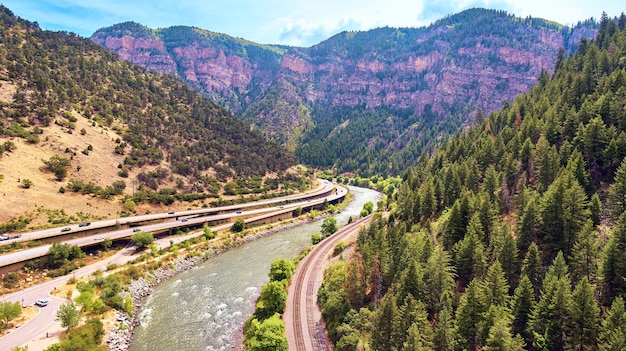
205	308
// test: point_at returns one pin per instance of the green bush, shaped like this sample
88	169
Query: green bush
316	238
339	247
238	226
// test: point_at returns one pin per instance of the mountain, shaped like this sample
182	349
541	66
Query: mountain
105	122
512	235
463	63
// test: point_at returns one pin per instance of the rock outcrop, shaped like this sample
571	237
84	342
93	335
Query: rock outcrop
473	60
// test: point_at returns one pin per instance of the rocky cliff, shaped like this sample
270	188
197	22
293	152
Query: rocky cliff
473	60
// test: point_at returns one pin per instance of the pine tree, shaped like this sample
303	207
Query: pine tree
617	191
584	315
576	165
469	257
438	277
532	268
509	258
412	283
494	288
382	324
526	152
551	214
613	332
491	183
500	336
375	282
549	321
586	254
406	202
546	163
564	210
411	313
522	305
428	202
528	227
457	222
576	211
443	339
486	211
614	262
414	340
468	318
354	284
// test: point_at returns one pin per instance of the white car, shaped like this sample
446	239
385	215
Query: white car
41	302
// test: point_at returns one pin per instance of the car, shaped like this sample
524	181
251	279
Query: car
135	230
184	220
238	212
41	302
99	237
4	237
66	229
170	212
84	224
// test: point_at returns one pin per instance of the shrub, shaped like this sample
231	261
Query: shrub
27	183
316	238
238	226
339	247
10	280
142	239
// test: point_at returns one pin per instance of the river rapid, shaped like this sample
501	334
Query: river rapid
204	308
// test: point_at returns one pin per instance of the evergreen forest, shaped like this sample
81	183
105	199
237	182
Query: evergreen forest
512	235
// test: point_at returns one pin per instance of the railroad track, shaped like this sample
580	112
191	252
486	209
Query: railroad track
307	335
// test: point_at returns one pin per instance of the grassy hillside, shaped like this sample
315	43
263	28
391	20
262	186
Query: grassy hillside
120	132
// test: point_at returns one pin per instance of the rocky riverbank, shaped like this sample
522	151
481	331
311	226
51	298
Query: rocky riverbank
120	338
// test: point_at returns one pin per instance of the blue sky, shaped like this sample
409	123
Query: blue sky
290	22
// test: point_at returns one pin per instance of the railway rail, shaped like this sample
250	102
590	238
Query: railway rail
305	333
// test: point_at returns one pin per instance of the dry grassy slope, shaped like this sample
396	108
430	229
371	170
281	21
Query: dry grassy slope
27	161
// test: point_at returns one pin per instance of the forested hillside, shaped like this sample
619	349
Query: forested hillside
161	132
417	84
512	236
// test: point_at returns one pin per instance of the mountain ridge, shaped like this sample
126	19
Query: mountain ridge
466	62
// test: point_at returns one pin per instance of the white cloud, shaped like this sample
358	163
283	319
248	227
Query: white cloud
300	23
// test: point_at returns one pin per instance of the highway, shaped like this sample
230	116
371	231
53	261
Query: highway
324	187
34	332
172	220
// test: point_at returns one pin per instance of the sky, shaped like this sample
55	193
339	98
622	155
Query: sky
289	22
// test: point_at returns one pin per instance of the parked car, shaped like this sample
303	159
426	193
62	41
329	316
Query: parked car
84	224
4	237
66	229
41	302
